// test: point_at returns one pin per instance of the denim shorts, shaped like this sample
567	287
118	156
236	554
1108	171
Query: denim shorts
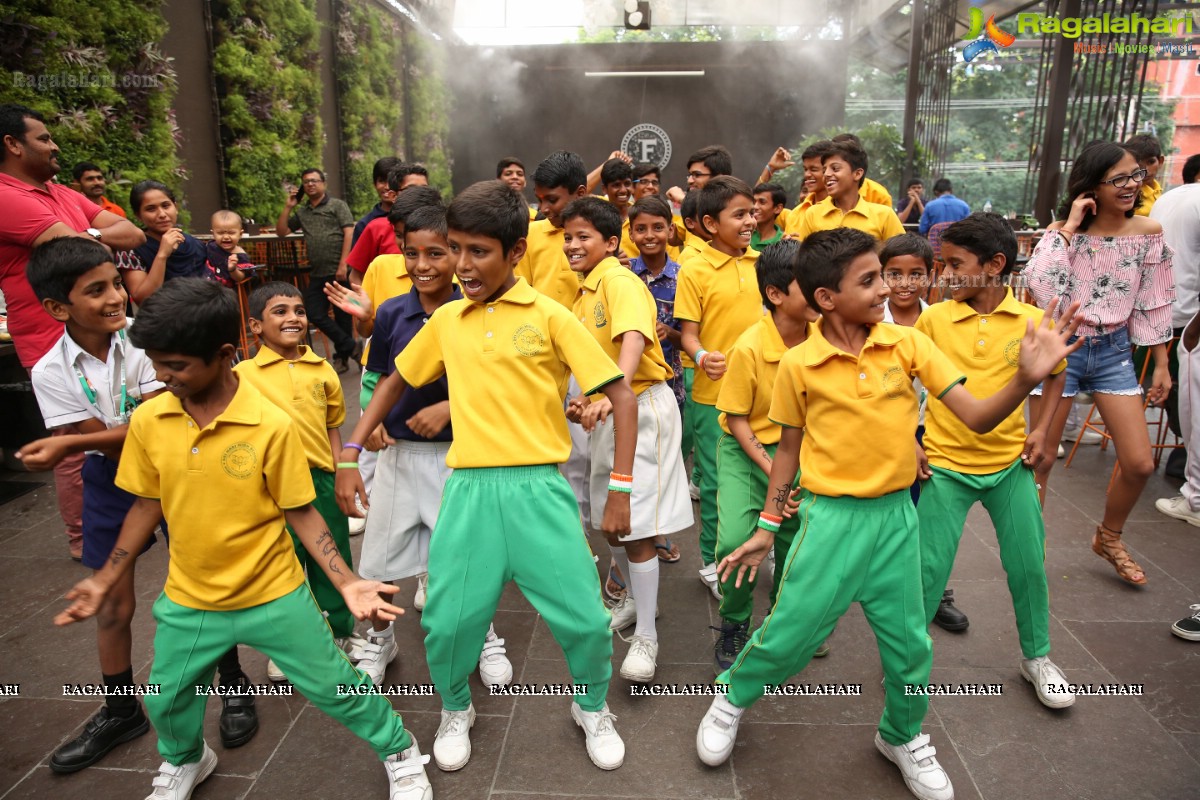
1103	364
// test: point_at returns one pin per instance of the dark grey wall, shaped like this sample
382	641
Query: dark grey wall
528	101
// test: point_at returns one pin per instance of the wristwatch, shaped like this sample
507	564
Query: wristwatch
95	233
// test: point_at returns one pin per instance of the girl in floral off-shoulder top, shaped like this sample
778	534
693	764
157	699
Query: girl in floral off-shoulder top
1119	268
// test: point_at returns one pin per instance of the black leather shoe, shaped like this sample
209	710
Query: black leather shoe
239	720
1177	464
948	617
103	732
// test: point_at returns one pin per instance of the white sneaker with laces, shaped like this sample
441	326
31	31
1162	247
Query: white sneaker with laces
708	576
406	774
918	764
494	667
177	783
274	673
624	613
452	747
1179	508
352	646
1051	685
358	524
718	731
641	660
379	651
604	745
422	591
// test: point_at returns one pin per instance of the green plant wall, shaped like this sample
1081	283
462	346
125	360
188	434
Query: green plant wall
266	59
429	106
101	81
369	45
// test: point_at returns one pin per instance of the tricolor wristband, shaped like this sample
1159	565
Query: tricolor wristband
353	446
769	522
620	484
699	357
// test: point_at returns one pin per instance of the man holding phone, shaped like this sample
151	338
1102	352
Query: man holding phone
328	228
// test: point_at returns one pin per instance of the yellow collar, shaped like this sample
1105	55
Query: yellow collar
244	408
521	294
818	350
1009	305
591	281
265	356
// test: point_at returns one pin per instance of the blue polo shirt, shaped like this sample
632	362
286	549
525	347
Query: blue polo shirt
943	208
397	321
374	214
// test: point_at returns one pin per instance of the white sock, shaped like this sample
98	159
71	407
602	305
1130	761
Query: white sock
643	582
386	632
1075	418
491	632
622	558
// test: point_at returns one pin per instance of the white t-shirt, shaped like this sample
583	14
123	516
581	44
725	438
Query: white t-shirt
1179	213
922	395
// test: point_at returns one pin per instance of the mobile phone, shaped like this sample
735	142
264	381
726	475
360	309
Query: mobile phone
299	195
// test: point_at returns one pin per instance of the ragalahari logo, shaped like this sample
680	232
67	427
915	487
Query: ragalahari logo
986	36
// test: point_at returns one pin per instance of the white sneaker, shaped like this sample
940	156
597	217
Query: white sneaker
769	564
274	673
452	747
406	774
1049	681
641	660
1061	452
718	731
693	491
1086	436
624	613
358	524
351	645
919	765
708	576
177	783
604	745
422	591
379	651
1178	508
494	667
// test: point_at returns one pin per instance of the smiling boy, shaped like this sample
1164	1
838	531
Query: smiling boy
845	168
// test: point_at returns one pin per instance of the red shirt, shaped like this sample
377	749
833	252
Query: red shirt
377	239
28	212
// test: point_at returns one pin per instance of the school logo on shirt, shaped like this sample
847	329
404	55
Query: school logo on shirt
239	460
318	394
893	382
529	341
598	313
1012	352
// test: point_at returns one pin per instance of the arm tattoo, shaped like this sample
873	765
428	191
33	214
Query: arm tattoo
329	550
119	554
781	496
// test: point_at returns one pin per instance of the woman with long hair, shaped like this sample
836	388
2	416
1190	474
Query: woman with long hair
168	252
1118	267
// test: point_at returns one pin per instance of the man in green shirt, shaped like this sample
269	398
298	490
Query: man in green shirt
769	201
328	228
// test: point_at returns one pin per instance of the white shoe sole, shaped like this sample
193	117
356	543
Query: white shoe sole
638	677
455	767
1065	702
575	715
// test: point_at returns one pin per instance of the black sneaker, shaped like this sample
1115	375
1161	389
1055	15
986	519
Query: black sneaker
239	719
103	732
732	637
1189	627
948	617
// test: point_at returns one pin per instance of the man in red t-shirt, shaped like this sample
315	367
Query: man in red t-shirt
35	211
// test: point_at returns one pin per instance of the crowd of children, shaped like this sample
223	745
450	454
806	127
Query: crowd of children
529	380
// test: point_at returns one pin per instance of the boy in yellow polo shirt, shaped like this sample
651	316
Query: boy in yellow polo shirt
716	299
226	468
507	513
304	385
621	315
617	178
980	328
845	165
749	437
849	414
559	179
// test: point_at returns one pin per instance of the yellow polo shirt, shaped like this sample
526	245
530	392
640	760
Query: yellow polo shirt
749	382
613	301
1151	191
873	192
879	221
720	292
859	412
791	223
223	490
386	277
986	349
544	265
307	390
507	364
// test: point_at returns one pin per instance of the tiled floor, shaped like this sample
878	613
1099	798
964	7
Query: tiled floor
996	748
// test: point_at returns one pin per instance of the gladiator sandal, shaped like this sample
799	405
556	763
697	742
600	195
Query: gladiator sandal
1106	543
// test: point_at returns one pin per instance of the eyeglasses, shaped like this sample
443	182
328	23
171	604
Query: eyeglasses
313	181
1121	181
699	174
646	181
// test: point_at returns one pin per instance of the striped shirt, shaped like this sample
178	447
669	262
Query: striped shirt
1119	281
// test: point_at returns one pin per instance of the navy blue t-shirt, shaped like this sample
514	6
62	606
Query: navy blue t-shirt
397	321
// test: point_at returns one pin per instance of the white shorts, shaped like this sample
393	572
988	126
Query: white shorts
660	503
409	480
